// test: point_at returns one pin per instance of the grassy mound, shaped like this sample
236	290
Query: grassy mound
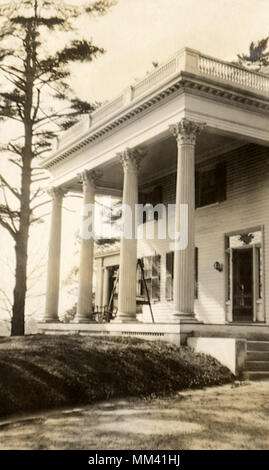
40	372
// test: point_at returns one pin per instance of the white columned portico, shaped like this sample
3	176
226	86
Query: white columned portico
185	132
84	306
130	160
54	257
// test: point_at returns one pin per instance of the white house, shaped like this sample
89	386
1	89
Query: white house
194	132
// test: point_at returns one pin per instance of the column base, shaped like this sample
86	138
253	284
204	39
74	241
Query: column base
125	318
84	320
50	320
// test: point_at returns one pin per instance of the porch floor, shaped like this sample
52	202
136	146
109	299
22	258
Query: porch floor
176	333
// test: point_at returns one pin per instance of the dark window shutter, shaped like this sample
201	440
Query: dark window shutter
221	181
196	273
156	268
197	189
156	199
141	198
157	195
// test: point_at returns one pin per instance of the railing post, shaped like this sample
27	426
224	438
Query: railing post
128	95
191	61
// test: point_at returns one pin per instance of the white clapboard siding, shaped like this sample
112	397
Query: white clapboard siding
246	206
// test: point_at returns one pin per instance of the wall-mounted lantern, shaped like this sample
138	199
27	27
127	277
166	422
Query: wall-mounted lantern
218	266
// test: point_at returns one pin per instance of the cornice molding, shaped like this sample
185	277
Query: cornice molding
116	123
186	82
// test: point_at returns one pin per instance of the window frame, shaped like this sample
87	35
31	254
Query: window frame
220	171
150	277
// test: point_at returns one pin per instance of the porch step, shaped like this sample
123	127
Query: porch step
257	361
258	355
257	375
257	365
258	346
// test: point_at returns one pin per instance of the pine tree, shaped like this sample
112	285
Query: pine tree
258	55
36	94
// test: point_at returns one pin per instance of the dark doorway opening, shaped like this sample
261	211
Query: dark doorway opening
243	284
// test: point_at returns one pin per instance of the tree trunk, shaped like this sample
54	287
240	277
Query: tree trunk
18	309
21	251
21	244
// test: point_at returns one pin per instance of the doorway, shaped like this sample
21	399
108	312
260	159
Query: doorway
242	284
244	276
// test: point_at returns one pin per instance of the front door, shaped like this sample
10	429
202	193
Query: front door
243	284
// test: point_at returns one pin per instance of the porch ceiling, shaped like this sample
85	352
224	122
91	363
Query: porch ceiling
161	159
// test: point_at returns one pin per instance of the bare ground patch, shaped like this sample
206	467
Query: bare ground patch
215	418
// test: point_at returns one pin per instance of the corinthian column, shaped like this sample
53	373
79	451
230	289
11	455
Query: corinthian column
130	160
84	306
54	257
185	132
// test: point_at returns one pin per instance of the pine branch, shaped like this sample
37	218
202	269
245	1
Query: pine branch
40	205
9	70
100	7
79	51
6	226
15	163
5	209
257	53
11	189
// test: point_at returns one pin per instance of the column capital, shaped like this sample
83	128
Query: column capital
89	177
57	194
131	158
186	131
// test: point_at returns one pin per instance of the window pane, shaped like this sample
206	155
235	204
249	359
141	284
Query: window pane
210	185
144	292
169	288
170	263
156	260
207	186
152	277
156	288
147	267
169	275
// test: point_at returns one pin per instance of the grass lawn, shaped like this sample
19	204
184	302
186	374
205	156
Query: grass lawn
41	372
222	417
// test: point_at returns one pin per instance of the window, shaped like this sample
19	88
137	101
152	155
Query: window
210	185
152	197
170	275
151	265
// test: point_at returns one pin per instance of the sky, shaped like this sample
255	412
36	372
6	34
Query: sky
135	33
